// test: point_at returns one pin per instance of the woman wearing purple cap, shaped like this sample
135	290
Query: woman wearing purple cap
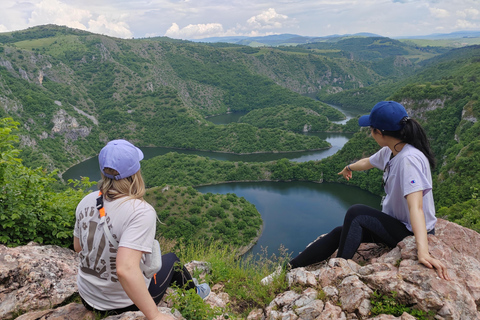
408	207
114	232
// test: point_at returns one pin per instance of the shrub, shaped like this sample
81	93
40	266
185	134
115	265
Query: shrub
191	305
30	208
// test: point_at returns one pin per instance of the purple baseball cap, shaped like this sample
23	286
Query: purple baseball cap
121	156
385	115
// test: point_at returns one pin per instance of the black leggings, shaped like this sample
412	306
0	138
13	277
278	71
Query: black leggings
361	224
171	272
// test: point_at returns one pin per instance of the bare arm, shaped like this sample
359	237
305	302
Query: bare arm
360	165
417	219
131	278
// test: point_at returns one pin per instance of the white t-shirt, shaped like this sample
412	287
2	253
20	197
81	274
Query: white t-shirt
407	172
132	223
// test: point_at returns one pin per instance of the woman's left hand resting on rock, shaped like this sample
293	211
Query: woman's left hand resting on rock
417	219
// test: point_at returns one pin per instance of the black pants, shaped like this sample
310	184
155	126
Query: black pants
361	224
170	273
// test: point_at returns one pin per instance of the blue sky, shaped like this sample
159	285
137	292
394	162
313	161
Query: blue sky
194	19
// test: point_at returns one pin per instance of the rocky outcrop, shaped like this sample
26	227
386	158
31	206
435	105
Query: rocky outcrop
38	278
418	108
342	289
35	277
67	125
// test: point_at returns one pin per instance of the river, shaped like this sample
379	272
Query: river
89	168
294	213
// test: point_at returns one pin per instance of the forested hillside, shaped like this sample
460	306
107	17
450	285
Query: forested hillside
71	91
444	97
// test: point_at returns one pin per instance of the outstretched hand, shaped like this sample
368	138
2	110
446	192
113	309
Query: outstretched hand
431	263
347	174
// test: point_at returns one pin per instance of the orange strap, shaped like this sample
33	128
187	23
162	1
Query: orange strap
102	209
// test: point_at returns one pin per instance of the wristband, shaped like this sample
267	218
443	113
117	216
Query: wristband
348	167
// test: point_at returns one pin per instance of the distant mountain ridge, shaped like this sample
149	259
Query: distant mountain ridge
294	39
452	35
281	39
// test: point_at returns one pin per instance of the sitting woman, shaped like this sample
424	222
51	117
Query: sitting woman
408	207
114	232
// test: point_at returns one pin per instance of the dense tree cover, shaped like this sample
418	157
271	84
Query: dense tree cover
243	89
31	209
393	60
373	48
289	118
190	216
449	108
34	209
442	68
39	32
191	170
316	71
85	89
455	54
34	107
362	98
465	213
170	128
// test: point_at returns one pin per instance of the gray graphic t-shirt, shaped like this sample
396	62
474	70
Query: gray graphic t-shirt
132	223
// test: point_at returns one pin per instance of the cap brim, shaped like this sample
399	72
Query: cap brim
364	121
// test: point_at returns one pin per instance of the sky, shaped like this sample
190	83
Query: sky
197	19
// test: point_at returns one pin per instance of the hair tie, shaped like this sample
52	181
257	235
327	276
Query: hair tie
404	120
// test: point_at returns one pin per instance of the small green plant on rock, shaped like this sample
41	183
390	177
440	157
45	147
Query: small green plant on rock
321	295
388	304
191	305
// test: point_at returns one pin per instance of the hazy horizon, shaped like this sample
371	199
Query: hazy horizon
187	19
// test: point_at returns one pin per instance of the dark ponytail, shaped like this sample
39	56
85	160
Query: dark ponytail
413	134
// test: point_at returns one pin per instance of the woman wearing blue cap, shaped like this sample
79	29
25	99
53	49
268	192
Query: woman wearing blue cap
408	207
114	233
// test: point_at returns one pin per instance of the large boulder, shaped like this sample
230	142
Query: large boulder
347	285
35	277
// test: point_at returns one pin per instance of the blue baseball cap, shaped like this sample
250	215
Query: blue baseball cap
121	156
385	115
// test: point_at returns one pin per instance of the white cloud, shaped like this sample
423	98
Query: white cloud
196	31
468	13
56	12
466	25
439	13
110	27
268	19
65	13
255	26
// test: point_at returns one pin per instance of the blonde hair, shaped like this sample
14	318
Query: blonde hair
132	187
